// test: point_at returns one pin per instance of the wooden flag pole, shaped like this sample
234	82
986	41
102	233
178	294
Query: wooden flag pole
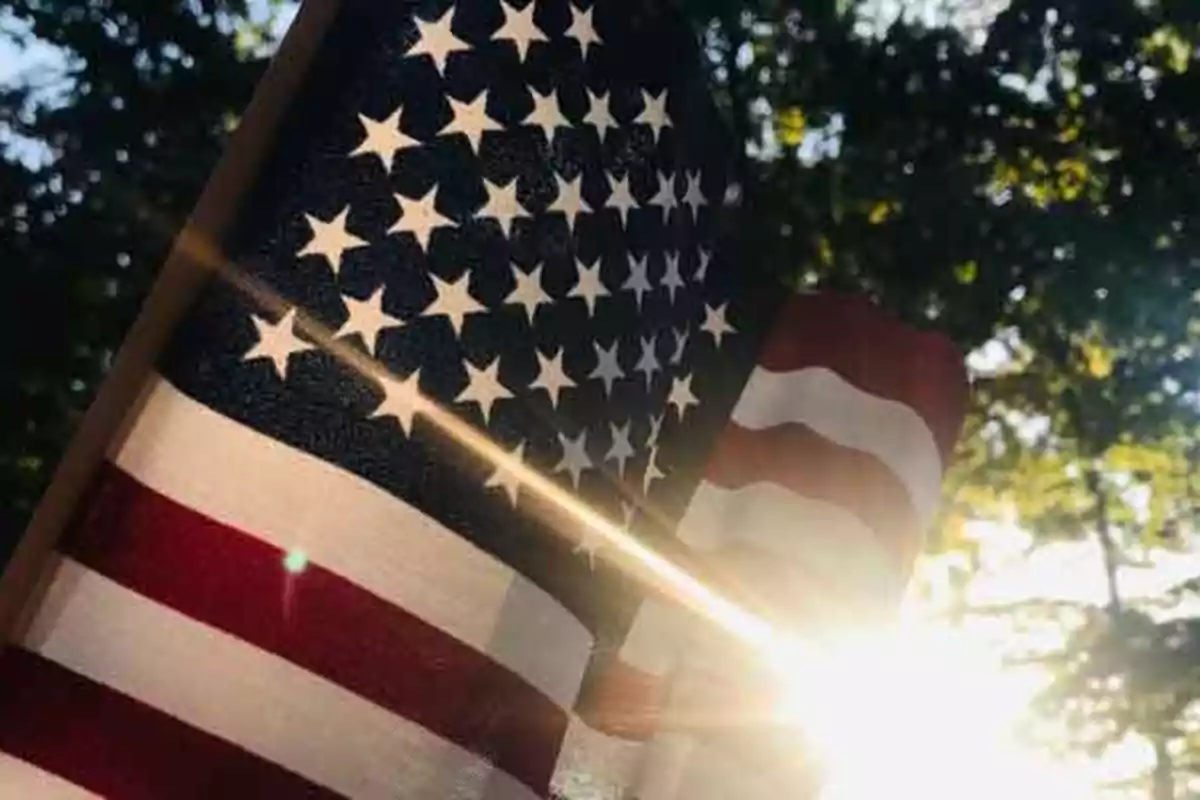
181	277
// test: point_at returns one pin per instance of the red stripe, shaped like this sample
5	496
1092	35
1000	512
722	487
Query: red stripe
623	701
117	747
319	621
797	458
852	337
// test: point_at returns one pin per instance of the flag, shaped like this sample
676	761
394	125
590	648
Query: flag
485	307
814	502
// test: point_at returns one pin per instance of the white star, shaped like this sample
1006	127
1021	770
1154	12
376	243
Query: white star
589	544
621	198
552	377
715	323
483	387
653	473
621	450
570	200
437	40
681	340
528	292
471	119
682	396
367	318
655	113
582	30
402	400
592	540
694	197
588	285
637	282
546	114
277	342
655	431
419	217
331	239
575	458
702	270
507	475
502	205
599	114
648	363
519	28
665	198
672	280
608	369
383	138
733	194
454	301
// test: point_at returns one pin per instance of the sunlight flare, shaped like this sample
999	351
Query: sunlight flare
917	711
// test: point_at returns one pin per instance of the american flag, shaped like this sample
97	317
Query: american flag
289	581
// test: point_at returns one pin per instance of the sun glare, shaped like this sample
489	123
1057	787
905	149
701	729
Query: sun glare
918	712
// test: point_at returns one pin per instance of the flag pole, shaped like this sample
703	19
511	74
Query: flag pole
181	277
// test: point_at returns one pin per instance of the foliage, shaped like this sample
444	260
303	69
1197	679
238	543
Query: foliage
1036	179
1127	672
132	121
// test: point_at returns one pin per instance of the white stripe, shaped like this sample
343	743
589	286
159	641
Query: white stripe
20	780
891	431
711	774
233	690
593	764
658	633
290	499
682	765
819	538
662	773
502	786
531	639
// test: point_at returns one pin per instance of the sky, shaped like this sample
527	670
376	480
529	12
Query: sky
16	59
24	58
972	17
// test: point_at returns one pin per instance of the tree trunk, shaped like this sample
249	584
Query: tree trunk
1163	777
1164	771
1108	547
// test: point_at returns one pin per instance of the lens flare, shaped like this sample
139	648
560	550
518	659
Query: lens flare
569	516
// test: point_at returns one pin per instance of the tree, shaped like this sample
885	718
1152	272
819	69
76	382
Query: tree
1036	181
1107	463
1039	183
131	124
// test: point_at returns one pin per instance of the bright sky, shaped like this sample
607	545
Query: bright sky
21	62
15	59
970	16
930	715
941	721
927	711
31	59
